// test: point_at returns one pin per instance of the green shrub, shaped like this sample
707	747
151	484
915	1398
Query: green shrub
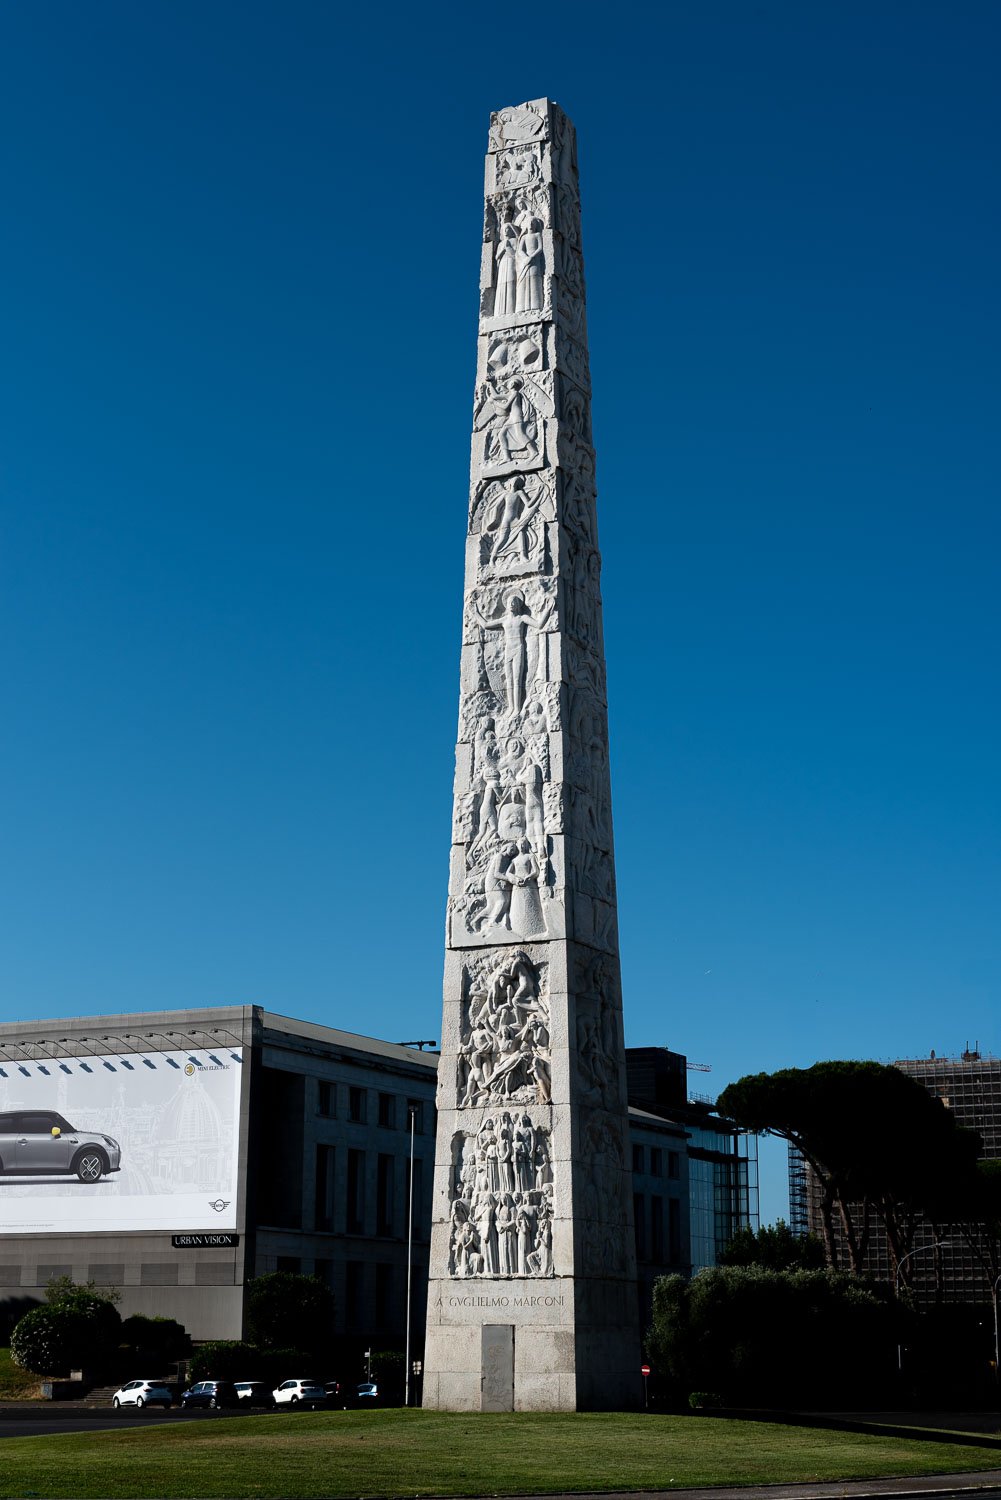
224	1359
705	1401
78	1325
229	1359
51	1341
764	1337
276	1365
156	1339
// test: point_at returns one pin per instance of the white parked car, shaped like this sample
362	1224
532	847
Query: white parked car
300	1393
140	1393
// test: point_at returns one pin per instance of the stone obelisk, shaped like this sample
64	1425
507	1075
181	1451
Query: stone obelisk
532	1298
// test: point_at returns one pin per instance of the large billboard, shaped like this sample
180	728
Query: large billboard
120	1141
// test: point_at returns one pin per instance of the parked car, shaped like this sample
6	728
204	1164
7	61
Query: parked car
366	1393
253	1393
335	1392
37	1141
300	1393
210	1393
140	1393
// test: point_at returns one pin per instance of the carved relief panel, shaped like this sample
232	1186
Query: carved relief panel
504	1050
515	351
502	1205
524	122
510	519
577	507
514	166
517	260
507	876
570	288
510	416
598	1033
572	359
508	619
604	1206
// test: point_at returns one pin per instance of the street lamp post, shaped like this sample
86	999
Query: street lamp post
997	1351
921	1250
410	1259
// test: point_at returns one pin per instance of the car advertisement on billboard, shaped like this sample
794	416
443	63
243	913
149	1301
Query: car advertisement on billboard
120	1141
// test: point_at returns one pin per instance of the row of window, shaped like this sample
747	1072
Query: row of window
650	1219
394	1112
361	1279
657	1162
388	1220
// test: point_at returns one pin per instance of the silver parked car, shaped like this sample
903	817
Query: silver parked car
36	1141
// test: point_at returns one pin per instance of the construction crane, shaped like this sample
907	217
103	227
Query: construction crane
699	1067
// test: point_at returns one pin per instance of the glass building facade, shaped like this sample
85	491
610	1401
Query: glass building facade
722	1161
722	1187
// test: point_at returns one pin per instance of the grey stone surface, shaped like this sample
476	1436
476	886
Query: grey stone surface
532	1299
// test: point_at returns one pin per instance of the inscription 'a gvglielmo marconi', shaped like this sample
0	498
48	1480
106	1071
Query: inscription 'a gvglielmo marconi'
511	1302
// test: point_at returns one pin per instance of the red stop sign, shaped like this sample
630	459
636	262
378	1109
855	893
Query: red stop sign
644	1369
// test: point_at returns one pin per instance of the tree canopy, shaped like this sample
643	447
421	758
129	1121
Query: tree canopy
774	1247
883	1148
286	1310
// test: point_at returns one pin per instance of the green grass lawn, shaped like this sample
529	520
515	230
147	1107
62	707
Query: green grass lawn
16	1384
410	1453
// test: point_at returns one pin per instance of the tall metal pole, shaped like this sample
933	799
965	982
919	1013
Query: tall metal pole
921	1250
410	1261
997	1351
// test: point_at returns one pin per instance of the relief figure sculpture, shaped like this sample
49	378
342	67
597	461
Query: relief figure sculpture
512	531
505	411
526	904
531	266
504	1055
506	261
514	619
500	1227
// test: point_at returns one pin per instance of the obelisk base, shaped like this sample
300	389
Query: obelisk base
517	1346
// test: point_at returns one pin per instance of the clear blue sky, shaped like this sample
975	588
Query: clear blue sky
239	267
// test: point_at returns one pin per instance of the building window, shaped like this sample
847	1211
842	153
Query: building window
387	1111
656	1162
324	1200
289	1263
673	1231
323	1270
674	1165
103	1273
384	1194
325	1097
383	1295
637	1159
356	1192
639	1219
356	1105
415	1107
354	1291
414	1205
657	1230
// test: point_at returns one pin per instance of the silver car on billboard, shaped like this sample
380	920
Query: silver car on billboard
37	1142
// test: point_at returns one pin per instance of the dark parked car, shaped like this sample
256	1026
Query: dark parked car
36	1141
211	1393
